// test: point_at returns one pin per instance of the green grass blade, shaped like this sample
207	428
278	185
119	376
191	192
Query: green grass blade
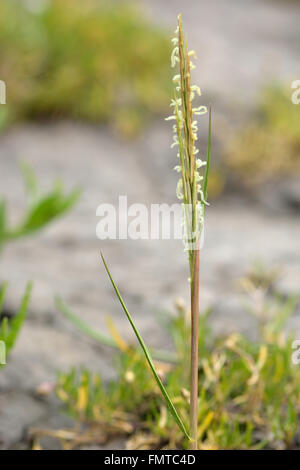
205	183
82	325
3	329
160	355
48	208
17	322
148	356
3	290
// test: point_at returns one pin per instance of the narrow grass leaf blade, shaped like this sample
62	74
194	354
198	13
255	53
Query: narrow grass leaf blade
3	290
3	329
81	325
85	328
148	356
17	322
205	183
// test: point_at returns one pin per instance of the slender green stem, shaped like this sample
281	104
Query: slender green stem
194	350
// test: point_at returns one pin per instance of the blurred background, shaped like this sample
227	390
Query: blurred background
88	87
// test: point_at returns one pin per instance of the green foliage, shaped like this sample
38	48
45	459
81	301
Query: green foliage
85	328
250	390
41	208
84	60
269	147
148	357
9	330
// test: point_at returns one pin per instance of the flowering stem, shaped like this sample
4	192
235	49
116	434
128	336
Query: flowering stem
189	189
194	349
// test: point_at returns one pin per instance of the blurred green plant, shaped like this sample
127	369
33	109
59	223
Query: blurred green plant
268	148
84	60
9	331
41	208
250	390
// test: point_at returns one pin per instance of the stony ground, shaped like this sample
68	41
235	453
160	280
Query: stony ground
237	46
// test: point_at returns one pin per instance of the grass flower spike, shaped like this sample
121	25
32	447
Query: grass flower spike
191	189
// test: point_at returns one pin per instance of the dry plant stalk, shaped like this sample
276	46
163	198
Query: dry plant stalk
189	190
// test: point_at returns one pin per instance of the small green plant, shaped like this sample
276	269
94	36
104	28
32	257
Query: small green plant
193	195
41	208
88	61
250	390
9	331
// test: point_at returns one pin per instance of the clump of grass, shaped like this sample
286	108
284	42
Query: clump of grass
268	148
82	60
9	330
250	390
42	208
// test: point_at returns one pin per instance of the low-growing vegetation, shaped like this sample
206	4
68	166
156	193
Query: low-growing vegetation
269	147
249	389
9	330
42	209
222	393
82	60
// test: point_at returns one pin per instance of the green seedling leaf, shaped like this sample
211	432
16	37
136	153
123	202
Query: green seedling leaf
2	295
3	329
83	326
148	356
47	209
3	324
17	322
159	355
205	183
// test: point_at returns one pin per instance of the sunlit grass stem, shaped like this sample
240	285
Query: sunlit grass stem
192	193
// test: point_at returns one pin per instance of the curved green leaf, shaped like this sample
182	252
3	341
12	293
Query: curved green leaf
148	357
